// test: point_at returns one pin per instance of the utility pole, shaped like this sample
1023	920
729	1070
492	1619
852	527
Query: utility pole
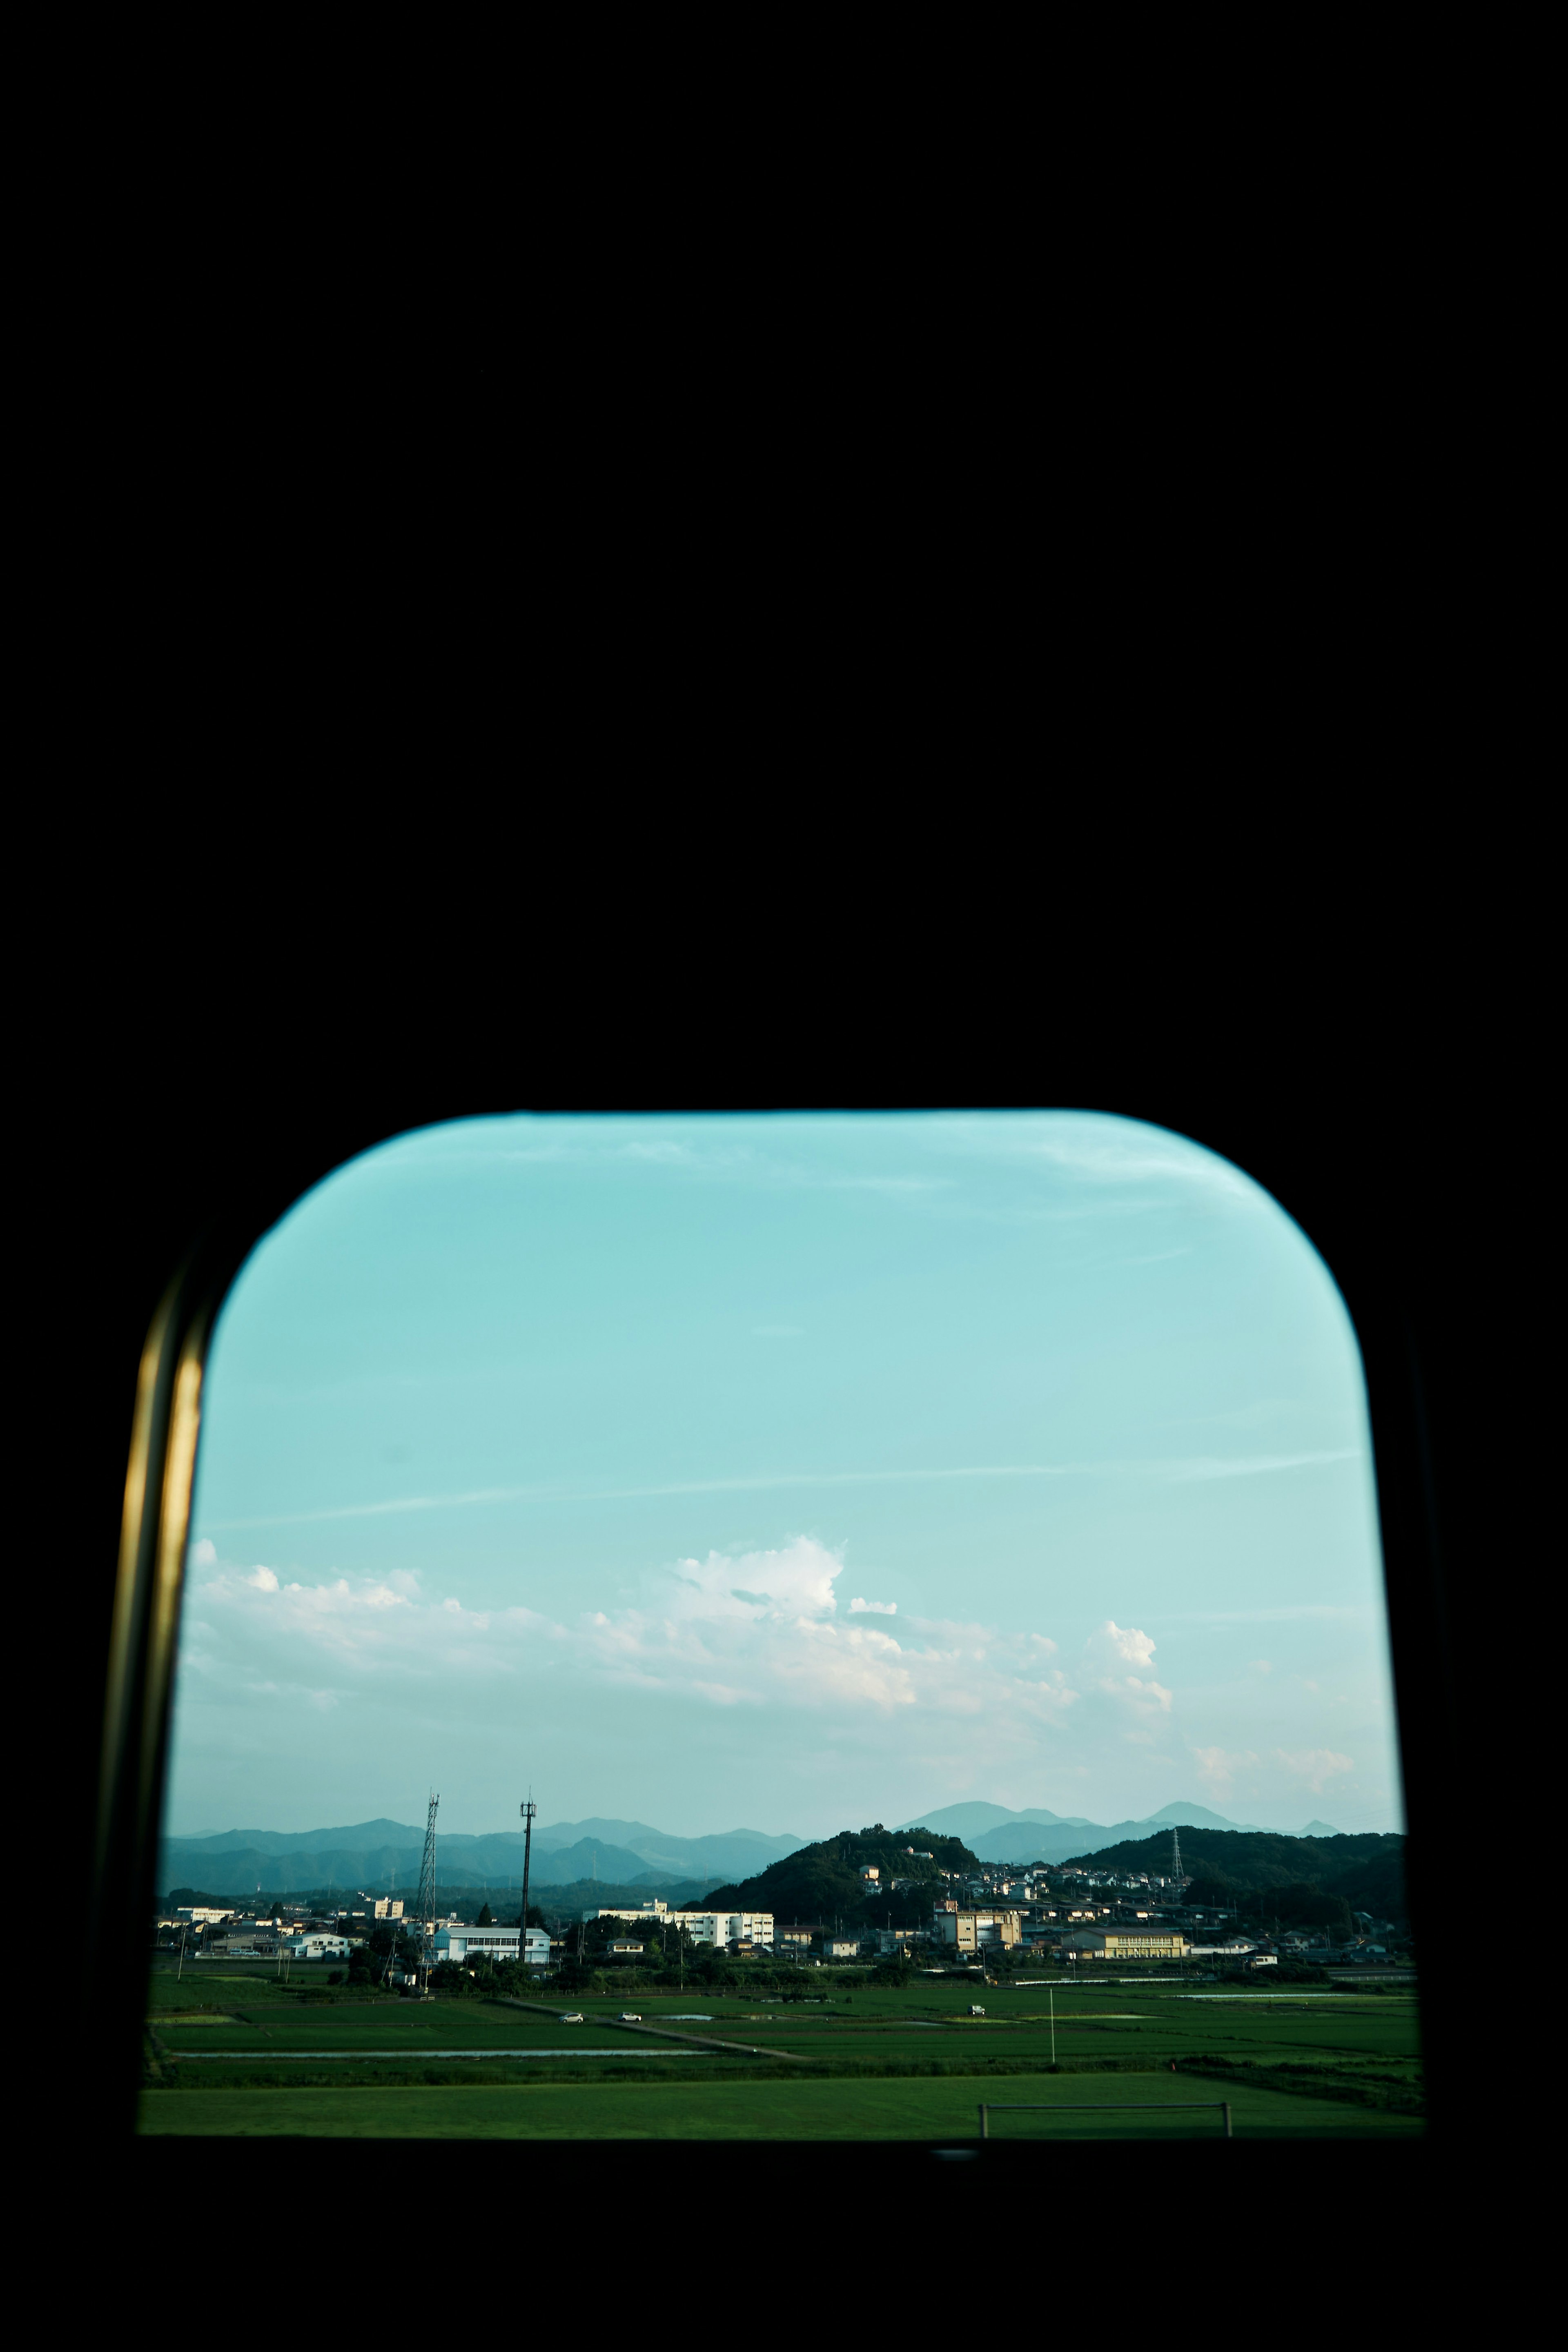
528	1810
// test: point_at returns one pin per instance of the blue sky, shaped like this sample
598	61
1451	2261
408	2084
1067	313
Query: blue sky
787	1472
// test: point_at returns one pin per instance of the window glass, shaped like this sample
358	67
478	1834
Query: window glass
916	1565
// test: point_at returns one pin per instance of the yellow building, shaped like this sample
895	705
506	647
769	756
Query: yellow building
1141	1943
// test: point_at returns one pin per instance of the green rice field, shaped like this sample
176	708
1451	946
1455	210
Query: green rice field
237	2053
856	2108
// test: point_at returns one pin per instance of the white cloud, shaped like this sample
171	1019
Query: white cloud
1107	1153
1181	1470
760	1629
1257	1465
1261	1666
764	1633
1218	1767
204	1553
1314	1766
1122	1643
1140	1702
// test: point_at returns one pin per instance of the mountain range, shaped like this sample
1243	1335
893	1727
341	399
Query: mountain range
997	1834
387	1853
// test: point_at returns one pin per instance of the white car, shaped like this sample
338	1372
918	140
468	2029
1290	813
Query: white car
571	2017
631	2017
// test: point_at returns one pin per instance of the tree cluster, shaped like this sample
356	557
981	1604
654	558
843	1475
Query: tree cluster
1230	1867
823	1881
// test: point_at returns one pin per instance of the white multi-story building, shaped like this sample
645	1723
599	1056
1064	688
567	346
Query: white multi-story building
638	1915
725	1927
455	1942
314	1947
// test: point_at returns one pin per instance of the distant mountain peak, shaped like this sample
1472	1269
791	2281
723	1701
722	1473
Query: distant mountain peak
1183	1815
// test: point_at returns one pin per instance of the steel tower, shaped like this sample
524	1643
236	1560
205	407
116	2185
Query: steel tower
427	1906
1176	1856
528	1810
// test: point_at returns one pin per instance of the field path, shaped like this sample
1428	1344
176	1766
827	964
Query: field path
668	2033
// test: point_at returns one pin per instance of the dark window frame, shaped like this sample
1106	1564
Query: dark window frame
1369	1213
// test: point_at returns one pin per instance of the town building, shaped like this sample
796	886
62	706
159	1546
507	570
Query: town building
454	1941
975	1931
318	1947
841	1947
723	1928
645	1915
1141	1943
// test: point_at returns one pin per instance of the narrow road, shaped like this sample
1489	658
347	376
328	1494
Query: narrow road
309	2057
668	2033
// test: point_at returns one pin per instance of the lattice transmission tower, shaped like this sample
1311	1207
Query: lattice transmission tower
427	1906
1175	1856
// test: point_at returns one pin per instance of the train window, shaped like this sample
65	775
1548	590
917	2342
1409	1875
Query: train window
783	1627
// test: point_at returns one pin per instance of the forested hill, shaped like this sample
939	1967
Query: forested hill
822	1881
1368	1871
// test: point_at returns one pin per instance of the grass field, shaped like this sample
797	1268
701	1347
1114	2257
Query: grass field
770	2110
238	2053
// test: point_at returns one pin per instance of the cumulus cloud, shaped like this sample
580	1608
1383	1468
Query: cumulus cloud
760	1629
204	1553
1140	1702
763	1633
1314	1766
1124	1641
1218	1767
